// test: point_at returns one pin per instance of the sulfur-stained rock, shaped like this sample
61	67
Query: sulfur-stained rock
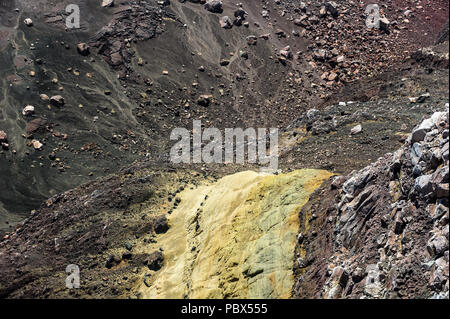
57	100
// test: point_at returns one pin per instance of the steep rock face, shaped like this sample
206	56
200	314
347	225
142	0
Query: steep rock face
235	238
382	232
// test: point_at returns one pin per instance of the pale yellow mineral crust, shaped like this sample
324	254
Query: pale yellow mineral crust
235	238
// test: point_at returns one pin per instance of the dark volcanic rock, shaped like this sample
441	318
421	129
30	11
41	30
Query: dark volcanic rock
3	136
161	225
36	125
57	100
155	261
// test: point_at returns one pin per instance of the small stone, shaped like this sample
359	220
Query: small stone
37	145
83	49
28	22
28	110
356	130
214	6
423	184
161	225
57	100
107	3
442	190
3	136
243	54
155	261
240	13
225	22
204	100
384	24
110	262
252	40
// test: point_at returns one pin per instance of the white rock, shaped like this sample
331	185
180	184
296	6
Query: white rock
28	22
107	3
225	22
28	110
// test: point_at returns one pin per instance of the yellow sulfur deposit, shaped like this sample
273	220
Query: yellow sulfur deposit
234	238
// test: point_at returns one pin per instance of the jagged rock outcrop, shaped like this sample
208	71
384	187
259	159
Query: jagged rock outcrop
382	232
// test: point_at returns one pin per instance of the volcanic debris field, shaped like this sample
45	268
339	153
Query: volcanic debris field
358	209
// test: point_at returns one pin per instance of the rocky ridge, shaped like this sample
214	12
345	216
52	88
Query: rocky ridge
386	233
